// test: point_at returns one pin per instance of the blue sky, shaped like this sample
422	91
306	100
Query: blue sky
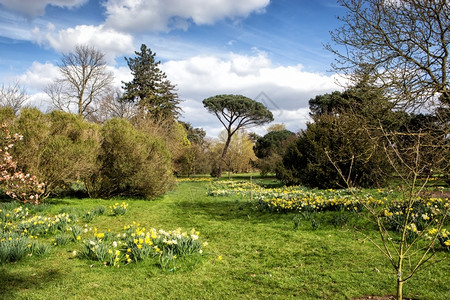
266	49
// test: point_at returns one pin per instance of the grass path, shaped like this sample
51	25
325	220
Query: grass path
262	257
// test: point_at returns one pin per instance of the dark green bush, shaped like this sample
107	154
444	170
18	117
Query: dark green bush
132	163
59	148
306	162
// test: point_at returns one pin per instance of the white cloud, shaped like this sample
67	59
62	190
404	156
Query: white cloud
38	76
120	74
109	41
285	90
34	8
164	15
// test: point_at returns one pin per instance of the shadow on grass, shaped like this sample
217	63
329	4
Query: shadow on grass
13	283
229	210
217	209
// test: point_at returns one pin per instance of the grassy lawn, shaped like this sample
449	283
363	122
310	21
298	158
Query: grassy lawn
250	255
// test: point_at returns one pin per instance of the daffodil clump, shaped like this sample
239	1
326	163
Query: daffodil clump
195	179
230	187
20	230
290	199
38	225
14	246
444	238
422	213
137	243
90	215
119	209
16	213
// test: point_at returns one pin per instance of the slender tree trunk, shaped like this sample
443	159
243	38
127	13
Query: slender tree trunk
399	289
224	153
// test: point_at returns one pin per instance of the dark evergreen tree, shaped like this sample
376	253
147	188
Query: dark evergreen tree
270	149
345	131
154	94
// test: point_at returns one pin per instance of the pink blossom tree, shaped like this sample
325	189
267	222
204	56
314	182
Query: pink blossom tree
25	188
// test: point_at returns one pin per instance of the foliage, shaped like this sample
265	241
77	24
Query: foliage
236	112
58	147
270	149
150	89
195	158
305	161
17	185
7	115
72	155
240	154
194	135
131	163
345	126
328	104
170	132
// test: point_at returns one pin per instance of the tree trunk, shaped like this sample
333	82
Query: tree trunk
224	153
399	289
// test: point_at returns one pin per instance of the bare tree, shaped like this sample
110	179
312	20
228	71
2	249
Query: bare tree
83	82
406	43
403	46
13	96
411	228
112	106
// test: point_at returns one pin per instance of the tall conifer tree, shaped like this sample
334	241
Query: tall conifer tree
154	94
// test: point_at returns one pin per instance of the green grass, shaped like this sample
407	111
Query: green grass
263	257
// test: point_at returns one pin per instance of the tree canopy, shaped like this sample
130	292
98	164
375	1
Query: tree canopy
272	142
236	112
270	149
150	88
344	128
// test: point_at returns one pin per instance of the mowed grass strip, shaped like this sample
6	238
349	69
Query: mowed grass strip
250	255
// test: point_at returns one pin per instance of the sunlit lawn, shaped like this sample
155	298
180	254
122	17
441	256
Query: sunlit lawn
250	255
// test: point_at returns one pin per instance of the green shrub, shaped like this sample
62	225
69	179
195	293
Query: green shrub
343	140
132	163
7	115
59	148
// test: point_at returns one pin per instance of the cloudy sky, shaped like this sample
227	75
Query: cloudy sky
268	50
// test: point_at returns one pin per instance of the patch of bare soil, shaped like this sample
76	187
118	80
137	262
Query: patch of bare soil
436	194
